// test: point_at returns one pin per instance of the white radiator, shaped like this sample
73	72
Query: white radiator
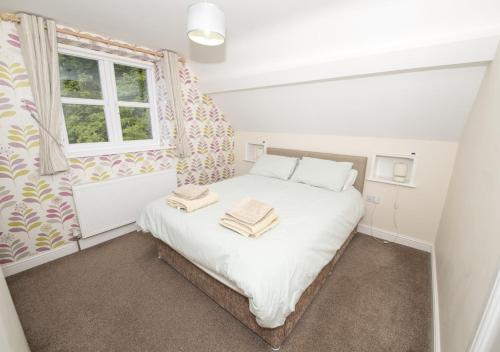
107	205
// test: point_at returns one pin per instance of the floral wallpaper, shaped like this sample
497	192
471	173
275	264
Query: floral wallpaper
37	213
211	138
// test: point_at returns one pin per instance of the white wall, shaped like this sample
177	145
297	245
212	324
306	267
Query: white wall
419	208
468	240
11	333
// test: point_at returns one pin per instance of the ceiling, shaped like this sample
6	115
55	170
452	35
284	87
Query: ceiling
263	34
272	35
428	104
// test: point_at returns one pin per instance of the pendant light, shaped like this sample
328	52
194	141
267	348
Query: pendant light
206	24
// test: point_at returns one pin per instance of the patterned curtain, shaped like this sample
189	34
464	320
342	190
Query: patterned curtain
169	64
39	49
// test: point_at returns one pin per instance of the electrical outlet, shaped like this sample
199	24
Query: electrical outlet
373	199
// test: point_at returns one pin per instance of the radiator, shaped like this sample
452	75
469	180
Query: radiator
107	205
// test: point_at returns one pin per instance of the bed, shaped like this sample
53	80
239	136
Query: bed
266	283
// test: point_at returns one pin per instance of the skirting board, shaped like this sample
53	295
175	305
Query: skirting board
39	259
395	237
435	304
106	236
489	327
70	248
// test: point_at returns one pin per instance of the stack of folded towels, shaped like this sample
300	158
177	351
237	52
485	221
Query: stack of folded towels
250	218
191	197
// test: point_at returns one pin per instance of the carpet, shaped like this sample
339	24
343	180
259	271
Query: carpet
119	297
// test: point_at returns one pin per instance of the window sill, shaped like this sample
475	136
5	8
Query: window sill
114	150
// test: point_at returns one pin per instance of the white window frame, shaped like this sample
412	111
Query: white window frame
111	105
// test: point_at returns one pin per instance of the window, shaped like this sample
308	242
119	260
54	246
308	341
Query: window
108	102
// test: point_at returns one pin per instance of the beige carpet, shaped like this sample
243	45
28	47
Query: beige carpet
119	297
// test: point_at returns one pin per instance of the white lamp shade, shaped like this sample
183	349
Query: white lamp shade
206	24
400	172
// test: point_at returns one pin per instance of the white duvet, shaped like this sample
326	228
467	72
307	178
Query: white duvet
274	270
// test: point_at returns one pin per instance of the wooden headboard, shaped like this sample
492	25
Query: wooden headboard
358	162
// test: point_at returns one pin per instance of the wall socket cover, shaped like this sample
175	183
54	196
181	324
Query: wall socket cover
373	199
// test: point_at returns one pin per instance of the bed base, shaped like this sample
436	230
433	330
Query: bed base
237	304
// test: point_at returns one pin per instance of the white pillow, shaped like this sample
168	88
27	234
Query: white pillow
274	166
351	178
327	174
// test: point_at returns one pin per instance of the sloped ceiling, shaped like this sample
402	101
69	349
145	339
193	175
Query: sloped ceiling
428	104
264	36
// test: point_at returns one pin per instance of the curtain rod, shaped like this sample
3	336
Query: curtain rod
5	16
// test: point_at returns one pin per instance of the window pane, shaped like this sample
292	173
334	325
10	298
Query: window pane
85	123
79	77
136	123
131	83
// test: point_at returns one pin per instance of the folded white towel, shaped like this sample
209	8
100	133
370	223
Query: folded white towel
192	205
249	211
255	230
191	191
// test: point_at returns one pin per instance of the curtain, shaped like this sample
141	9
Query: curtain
170	66
39	49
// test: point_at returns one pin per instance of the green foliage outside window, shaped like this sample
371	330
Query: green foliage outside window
135	123
85	123
131	83
79	77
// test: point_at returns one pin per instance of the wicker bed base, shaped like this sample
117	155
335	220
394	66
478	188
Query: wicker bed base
237	304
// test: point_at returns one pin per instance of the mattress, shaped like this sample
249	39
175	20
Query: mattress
274	270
